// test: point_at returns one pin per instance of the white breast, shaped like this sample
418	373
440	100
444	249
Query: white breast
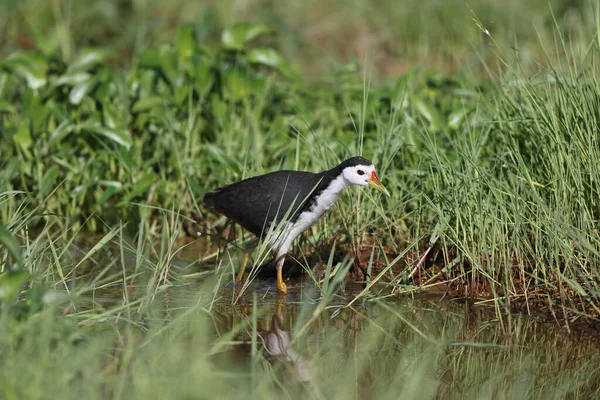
323	203
305	220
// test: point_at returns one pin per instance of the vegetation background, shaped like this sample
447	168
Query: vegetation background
117	116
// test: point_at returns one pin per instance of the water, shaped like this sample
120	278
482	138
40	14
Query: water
443	347
423	346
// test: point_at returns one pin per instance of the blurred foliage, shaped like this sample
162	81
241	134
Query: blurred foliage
183	118
319	36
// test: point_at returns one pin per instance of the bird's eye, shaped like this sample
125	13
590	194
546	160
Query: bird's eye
360	172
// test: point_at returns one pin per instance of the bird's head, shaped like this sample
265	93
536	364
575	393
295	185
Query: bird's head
361	172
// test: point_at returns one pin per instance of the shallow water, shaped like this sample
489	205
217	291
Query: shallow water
416	345
453	348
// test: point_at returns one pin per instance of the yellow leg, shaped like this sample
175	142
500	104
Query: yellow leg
281	287
249	249
279	302
240	274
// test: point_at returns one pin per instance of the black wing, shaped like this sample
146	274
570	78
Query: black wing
256	203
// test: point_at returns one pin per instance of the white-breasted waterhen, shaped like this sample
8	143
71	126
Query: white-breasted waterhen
288	201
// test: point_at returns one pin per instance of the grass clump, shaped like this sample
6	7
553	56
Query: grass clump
109	337
178	348
494	181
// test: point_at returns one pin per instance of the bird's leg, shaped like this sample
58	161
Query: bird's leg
247	251
240	274
279	303
281	287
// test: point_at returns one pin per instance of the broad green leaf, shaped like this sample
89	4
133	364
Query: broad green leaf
78	92
35	112
11	284
48	181
106	84
109	118
23	136
32	67
185	41
428	112
150	58
203	75
456	118
126	156
58	109
218	107
241	34
106	195
181	93
72	79
112	187
9	242
169	65
237	84
77	190
11	169
141	186
195	187
222	158
8	131
60	133
271	58
86	61
6	107
113	184
119	136
147	103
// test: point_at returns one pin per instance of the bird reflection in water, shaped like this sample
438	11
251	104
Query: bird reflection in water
277	343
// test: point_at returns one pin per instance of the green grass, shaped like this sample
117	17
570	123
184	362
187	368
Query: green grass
91	143
111	135
181	338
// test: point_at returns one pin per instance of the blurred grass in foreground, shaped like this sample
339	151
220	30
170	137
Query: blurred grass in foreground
126	326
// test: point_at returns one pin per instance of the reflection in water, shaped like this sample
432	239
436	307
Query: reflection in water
437	349
277	343
403	347
424	346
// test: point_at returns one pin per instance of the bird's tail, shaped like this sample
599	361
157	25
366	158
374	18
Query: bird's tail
211	198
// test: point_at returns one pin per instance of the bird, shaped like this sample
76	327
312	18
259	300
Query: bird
278	206
278	345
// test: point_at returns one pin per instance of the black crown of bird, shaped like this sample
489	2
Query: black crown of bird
288	202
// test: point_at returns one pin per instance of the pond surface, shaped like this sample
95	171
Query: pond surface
424	344
421	346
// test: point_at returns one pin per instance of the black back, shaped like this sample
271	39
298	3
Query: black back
256	203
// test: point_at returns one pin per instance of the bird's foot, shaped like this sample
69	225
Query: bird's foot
239	277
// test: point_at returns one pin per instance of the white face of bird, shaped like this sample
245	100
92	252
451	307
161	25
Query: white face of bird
359	174
364	175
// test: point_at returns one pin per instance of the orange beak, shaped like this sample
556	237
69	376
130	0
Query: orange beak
376	184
